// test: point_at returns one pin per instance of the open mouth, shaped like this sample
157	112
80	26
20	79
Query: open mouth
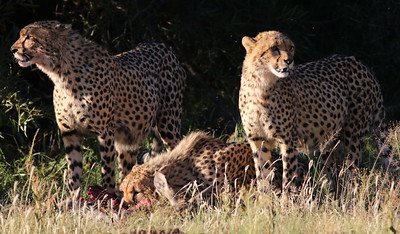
25	62
281	72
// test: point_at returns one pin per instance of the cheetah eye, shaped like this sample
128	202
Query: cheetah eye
28	37
275	49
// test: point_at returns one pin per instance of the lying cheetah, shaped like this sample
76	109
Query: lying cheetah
307	107
199	158
119	98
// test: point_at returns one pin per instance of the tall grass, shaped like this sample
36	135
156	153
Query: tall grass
371	206
368	204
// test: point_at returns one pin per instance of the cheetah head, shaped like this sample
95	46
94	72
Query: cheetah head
137	185
270	51
40	43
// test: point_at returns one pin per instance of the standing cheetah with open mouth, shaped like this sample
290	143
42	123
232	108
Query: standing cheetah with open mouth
119	98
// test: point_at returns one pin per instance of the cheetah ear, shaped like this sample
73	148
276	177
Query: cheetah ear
68	26
248	43
64	28
162	186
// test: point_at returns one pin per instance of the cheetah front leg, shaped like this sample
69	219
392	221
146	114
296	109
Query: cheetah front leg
353	144
126	160
107	153
290	165
169	129
262	160
72	145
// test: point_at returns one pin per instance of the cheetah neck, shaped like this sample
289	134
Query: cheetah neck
256	80
78	58
178	154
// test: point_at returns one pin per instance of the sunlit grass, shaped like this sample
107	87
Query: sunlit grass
368	204
371	206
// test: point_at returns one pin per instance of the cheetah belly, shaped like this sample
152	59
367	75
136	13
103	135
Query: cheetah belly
315	139
319	126
134	122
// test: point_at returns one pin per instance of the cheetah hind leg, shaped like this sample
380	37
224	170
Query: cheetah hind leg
385	150
353	144
156	148
328	160
126	160
169	128
157	144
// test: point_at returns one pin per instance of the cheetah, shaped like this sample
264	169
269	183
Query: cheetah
306	108
200	159
118	98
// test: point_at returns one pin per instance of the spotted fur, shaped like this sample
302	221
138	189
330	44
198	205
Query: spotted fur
119	98
308	107
203	160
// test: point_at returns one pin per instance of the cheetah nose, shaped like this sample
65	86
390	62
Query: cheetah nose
288	61
13	50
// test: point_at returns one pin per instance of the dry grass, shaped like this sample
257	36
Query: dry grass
372	205
369	204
